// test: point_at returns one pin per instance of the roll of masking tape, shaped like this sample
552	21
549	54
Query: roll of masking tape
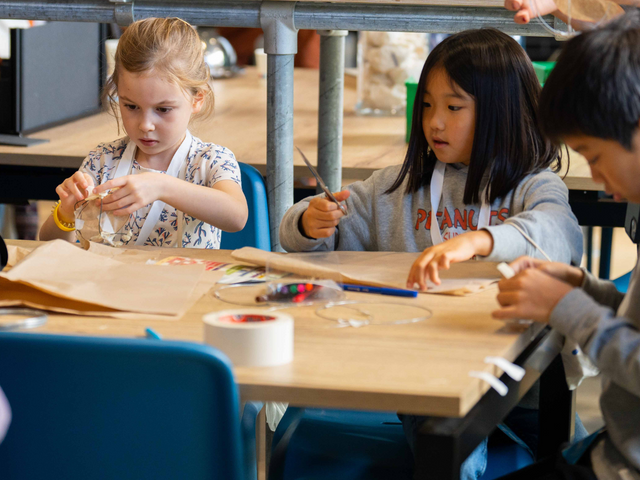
251	338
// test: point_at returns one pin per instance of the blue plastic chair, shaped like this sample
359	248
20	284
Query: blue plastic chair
105	408
352	445
256	232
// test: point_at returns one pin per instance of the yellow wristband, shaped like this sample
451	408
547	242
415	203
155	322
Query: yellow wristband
64	226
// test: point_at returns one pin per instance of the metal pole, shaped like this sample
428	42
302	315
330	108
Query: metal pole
413	18
280	45
197	12
308	15
279	141
330	107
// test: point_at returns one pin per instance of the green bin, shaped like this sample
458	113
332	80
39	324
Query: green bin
412	87
543	69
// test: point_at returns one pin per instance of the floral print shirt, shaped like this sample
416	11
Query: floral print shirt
207	164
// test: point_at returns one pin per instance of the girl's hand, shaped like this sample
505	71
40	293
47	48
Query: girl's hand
134	192
72	191
322	216
458	249
530	295
566	273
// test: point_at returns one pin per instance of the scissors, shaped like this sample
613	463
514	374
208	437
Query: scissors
326	191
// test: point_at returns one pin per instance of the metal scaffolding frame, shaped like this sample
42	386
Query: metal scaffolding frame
281	20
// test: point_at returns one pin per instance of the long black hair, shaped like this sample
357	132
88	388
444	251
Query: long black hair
493	69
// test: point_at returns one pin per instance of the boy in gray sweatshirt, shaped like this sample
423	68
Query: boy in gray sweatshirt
591	101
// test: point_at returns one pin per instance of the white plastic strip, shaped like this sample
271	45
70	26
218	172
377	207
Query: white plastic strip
506	271
514	371
497	385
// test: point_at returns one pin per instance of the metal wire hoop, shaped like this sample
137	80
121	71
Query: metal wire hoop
35	318
321	312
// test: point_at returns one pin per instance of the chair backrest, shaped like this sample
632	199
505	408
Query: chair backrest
107	408
256	231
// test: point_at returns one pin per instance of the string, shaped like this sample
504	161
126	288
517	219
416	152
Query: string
558	33
570	32
531	241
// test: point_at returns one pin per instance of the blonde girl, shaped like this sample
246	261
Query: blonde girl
176	189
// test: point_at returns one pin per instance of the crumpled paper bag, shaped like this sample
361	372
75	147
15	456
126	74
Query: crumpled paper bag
59	276
16	254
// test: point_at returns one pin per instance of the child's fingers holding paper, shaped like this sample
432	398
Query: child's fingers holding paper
532	294
566	273
108	185
123	206
115	196
417	274
75	185
524	262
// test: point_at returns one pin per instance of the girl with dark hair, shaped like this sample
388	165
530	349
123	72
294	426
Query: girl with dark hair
476	176
476	163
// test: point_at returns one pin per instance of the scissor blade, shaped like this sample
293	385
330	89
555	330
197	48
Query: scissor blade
324	187
313	170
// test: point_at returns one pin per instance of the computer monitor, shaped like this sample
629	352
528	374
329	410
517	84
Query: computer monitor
55	75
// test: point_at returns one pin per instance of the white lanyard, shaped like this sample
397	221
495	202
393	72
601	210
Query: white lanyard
437	181
176	169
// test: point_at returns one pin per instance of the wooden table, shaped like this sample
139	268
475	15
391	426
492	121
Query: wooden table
420	368
239	123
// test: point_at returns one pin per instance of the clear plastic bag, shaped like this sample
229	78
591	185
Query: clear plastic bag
95	225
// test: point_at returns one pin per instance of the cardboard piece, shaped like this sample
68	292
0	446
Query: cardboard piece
59	276
381	269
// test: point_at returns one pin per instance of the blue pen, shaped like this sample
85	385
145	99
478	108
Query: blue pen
379	290
150	333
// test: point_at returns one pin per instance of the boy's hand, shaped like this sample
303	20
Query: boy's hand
458	249
134	192
566	273
322	216
532	295
72	191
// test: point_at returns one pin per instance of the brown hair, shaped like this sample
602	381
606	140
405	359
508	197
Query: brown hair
169	46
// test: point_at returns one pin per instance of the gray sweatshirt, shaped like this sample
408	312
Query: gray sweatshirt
400	222
612	341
